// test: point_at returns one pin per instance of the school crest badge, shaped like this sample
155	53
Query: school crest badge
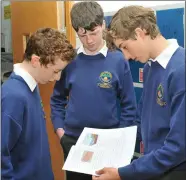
105	80
160	96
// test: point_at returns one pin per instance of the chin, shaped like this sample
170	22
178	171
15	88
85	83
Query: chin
143	60
43	82
93	48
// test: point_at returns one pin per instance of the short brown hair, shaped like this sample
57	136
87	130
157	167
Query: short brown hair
127	19
86	15
49	44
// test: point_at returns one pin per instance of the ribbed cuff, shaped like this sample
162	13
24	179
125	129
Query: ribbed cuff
58	123
127	173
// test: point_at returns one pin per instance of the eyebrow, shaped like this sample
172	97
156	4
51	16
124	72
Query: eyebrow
83	34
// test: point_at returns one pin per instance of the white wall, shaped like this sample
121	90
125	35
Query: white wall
112	6
6	30
109	6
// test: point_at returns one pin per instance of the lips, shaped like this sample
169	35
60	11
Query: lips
92	45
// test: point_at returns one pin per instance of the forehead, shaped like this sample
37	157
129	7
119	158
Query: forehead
58	64
82	31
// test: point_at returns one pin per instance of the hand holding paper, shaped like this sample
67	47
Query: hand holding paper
107	174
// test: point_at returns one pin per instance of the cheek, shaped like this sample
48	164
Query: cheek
46	74
83	40
133	50
100	37
138	49
142	47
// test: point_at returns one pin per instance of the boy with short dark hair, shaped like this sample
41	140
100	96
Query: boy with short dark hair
93	83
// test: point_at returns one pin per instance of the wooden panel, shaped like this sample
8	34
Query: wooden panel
69	29
27	17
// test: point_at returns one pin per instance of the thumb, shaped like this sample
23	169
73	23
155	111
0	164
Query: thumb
101	171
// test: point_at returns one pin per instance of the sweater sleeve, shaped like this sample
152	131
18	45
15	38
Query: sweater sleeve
12	110
126	96
58	102
10	134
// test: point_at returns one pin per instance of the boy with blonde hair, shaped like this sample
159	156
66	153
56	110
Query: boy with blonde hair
134	31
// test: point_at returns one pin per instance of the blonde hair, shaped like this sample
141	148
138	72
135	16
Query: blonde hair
127	19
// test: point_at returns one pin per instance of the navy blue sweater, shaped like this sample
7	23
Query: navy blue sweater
25	151
93	84
163	123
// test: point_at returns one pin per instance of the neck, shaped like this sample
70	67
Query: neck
96	51
157	46
28	68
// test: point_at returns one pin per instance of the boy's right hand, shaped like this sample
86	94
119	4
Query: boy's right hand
60	132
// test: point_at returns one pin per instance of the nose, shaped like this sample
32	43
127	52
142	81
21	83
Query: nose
89	39
57	76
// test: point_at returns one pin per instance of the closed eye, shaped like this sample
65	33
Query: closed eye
57	71
125	47
82	36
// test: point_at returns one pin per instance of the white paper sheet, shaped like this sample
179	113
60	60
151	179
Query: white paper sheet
99	148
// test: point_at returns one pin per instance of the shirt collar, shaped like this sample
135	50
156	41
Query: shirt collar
18	70
164	58
103	50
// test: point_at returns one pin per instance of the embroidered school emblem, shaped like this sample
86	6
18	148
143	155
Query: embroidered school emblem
160	95
105	80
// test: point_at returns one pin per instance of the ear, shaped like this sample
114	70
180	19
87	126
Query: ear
35	60
104	25
140	33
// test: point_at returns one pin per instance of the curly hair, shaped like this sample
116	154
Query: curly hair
49	44
107	36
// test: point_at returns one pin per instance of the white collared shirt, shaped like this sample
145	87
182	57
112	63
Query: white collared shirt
18	70
103	50
164	58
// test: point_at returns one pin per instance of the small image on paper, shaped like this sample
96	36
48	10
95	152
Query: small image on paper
87	156
90	139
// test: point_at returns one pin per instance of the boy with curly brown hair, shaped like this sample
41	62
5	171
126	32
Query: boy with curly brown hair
25	150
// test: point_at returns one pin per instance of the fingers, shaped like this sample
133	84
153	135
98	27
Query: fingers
95	177
101	171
